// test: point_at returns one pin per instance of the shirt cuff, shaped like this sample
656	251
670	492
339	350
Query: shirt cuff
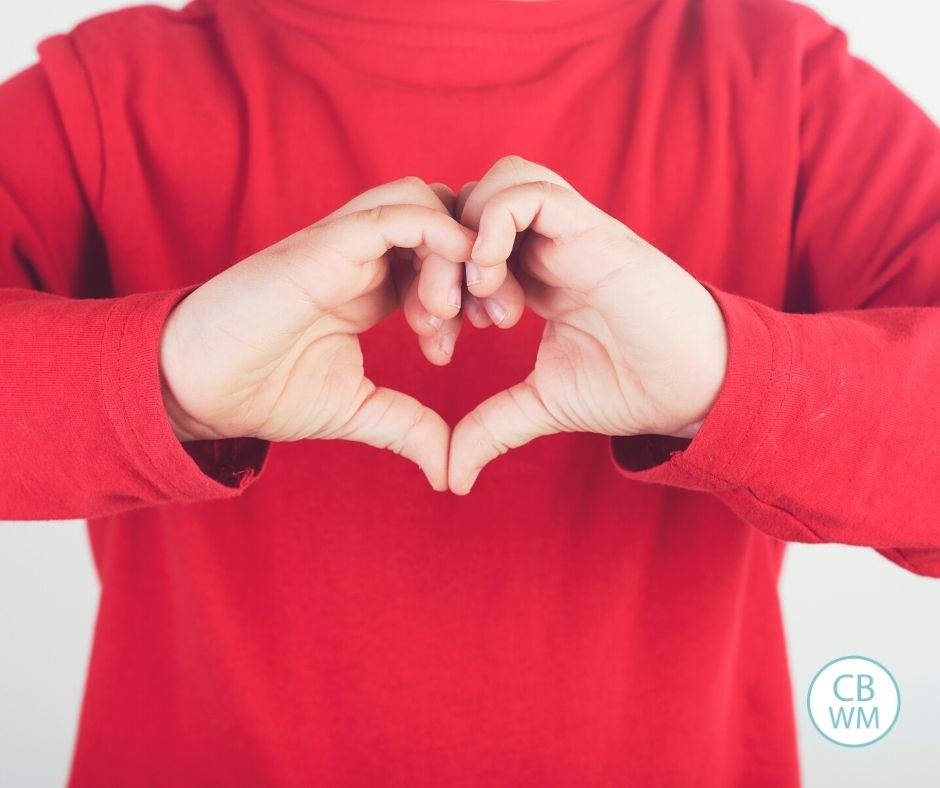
130	389
721	454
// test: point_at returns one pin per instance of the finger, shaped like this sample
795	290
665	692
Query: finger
438	348
446	195
332	263
410	190
462	196
367	235
419	319
402	274
436	341
484	280
504	307
480	280
388	419
436	337
505	421
439	286
322	245
475	312
486	273
548	209
507	171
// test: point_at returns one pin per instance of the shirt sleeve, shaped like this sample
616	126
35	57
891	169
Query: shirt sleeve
826	426
83	431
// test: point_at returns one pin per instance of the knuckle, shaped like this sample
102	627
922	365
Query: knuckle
412	183
407	435
512	162
418	418
378	213
485	436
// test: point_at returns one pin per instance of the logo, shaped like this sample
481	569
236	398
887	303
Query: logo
853	701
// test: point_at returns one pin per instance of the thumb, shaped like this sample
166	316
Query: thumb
505	421
389	419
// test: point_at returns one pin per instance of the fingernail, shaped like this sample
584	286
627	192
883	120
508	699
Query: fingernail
446	344
434	321
477	245
473	273
472	309
495	310
454	298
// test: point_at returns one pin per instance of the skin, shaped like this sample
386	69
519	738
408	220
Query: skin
633	344
269	348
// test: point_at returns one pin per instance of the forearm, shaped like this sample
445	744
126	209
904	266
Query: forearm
84	431
824	429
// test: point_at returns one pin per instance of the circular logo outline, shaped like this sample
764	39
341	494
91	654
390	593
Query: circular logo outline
809	708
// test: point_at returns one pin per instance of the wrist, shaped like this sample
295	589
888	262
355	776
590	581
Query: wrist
184	426
707	373
174	412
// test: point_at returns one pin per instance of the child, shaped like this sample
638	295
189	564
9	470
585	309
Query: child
728	234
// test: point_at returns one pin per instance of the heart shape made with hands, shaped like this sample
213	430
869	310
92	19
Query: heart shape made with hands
633	344
270	347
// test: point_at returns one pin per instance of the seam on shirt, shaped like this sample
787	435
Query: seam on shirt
719	487
168	480
713	482
104	364
121	334
775	358
776	416
339	27
773	508
750	427
177	15
786	513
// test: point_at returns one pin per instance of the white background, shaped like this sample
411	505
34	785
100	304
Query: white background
837	600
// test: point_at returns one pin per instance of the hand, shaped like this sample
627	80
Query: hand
633	344
436	298
269	347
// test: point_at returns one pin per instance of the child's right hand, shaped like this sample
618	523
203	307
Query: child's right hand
269	347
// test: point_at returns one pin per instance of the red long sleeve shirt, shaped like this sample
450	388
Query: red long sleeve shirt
596	612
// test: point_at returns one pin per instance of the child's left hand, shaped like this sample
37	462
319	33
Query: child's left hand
633	344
